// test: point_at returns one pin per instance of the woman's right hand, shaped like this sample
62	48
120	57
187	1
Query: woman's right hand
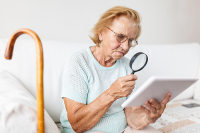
122	87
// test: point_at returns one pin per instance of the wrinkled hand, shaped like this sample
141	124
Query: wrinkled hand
122	87
155	109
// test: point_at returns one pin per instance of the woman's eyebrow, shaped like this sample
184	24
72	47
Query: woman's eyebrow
120	33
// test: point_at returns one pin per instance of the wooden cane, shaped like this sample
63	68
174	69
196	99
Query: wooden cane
39	73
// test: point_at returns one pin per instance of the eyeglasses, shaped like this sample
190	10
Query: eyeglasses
122	38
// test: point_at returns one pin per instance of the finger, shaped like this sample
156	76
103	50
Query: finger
151	109
127	86
165	100
145	110
128	93
130	77
155	104
130	83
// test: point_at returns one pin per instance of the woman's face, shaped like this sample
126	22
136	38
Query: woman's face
113	48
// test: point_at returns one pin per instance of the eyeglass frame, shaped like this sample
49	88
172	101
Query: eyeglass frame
123	35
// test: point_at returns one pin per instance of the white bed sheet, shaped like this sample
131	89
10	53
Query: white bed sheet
179	119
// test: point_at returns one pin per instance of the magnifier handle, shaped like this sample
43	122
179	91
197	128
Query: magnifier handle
133	72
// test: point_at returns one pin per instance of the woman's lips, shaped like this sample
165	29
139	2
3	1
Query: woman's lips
120	52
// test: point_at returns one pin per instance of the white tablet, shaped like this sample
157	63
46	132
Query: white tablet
157	87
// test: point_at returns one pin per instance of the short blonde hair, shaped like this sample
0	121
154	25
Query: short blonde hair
107	18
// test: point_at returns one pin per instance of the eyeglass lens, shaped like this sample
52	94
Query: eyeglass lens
121	38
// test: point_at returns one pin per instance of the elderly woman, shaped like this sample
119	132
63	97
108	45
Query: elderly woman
97	80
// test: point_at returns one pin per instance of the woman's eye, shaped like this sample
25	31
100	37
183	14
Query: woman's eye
121	36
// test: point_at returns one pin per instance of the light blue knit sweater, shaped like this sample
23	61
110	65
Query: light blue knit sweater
84	79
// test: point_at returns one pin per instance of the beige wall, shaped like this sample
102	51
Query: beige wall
163	21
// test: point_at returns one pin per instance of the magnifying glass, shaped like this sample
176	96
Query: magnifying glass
138	62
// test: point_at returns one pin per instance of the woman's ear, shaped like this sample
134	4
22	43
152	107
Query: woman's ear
100	36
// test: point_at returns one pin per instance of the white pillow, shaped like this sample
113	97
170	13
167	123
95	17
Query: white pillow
18	113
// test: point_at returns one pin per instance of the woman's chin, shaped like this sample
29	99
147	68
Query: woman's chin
118	57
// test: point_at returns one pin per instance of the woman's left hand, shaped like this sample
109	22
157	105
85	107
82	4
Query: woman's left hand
155	109
139	117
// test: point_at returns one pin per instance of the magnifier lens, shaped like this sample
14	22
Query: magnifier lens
139	62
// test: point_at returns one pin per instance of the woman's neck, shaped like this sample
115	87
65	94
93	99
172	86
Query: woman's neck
100	55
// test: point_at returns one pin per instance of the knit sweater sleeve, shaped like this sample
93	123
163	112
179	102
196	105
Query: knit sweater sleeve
75	79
